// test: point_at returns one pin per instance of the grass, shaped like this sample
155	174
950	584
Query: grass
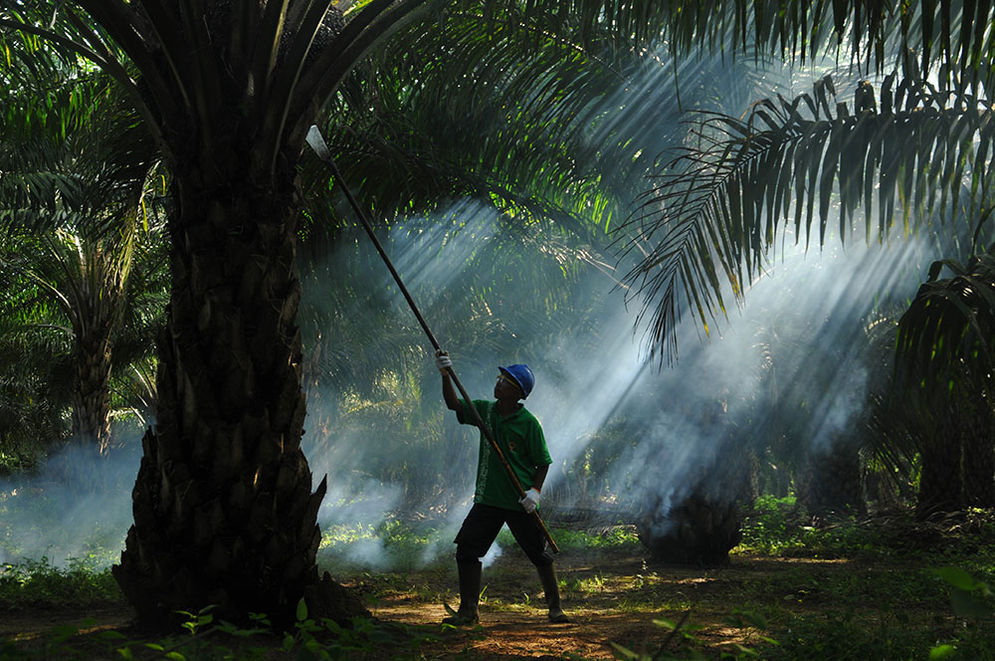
894	589
38	584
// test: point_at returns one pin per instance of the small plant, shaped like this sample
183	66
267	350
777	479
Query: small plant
595	583
970	598
773	526
679	629
747	621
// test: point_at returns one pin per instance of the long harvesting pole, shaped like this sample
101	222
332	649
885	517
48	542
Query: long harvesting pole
317	143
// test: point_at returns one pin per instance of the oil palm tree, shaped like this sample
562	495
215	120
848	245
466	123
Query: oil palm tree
908	153
944	351
66	174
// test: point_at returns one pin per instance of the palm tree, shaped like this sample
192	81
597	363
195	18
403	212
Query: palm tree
67	175
912	151
945	364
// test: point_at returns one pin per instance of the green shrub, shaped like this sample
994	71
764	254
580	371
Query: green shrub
38	583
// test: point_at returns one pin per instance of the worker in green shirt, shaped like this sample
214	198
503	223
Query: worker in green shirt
496	501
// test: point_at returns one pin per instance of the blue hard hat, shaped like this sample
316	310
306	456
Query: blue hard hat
522	375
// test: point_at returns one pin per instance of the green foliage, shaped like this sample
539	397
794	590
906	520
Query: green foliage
969	597
895	630
777	526
772	527
404	546
38	583
207	638
615	537
809	164
393	543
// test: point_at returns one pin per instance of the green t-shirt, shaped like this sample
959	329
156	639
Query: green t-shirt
521	440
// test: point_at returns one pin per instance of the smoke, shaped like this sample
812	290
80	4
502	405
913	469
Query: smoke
400	470
791	363
75	508
624	432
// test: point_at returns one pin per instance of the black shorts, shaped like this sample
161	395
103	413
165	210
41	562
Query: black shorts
482	525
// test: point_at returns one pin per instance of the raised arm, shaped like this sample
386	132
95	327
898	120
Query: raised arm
444	363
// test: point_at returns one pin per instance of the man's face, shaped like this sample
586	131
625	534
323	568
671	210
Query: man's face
506	388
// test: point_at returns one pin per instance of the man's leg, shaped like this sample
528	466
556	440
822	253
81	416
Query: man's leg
475	537
469	572
550	585
529	535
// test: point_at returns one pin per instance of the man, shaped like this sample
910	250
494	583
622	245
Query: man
496	501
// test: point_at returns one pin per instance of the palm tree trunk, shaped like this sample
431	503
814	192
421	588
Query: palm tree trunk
91	404
979	458
940	484
224	512
830	482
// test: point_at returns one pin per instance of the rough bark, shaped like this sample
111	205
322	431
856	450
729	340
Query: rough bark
223	507
699	531
940	488
831	481
704	523
91	401
978	463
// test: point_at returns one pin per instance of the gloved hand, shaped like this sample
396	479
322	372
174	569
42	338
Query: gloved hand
530	501
442	360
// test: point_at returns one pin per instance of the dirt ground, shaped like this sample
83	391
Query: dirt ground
611	598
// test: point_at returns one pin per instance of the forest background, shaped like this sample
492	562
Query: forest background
809	224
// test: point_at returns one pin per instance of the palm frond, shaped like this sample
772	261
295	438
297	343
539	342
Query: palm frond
724	201
947	332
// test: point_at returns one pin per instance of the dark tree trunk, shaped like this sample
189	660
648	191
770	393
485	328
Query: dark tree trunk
979	458
700	526
700	530
940	486
224	512
91	401
830	482
90	433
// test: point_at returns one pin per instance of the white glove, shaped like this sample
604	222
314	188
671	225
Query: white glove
530	501
442	360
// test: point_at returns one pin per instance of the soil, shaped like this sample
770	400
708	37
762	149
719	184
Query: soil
612	598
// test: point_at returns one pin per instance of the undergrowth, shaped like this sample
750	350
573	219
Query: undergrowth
37	583
895	589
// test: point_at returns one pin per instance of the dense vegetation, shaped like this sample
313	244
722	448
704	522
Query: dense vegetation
583	160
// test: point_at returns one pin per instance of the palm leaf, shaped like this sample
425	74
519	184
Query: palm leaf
948	330
825	153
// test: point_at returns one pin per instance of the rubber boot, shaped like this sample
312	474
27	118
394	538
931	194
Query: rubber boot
469	593
552	589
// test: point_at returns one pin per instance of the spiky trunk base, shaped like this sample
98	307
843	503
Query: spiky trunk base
699	531
701	525
224	513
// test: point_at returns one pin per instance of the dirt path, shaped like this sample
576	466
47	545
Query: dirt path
517	634
31	623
